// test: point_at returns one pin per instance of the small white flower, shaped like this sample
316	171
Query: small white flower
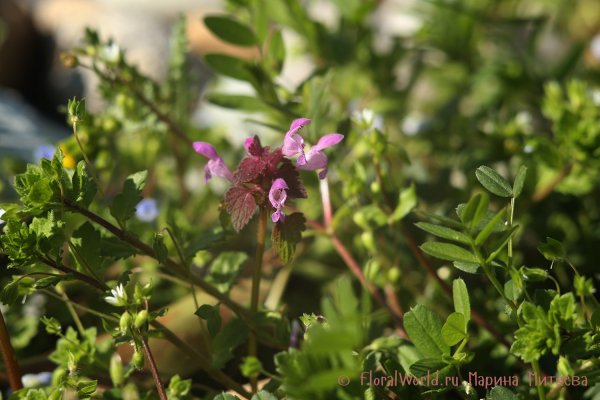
363	118
118	298
111	53
528	149
1	213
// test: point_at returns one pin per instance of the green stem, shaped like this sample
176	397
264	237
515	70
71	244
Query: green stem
555	283
89	164
538	372
87	266
510	241
62	200
80	327
89	310
258	258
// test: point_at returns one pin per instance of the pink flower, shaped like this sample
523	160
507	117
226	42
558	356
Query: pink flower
316	159
277	196
215	166
293	142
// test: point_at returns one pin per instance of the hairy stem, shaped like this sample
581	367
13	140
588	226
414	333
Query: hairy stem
159	385
261	237
89	164
10	359
72	311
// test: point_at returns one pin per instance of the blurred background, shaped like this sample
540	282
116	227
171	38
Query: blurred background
455	84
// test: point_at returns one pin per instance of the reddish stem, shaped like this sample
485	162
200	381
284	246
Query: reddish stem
10	359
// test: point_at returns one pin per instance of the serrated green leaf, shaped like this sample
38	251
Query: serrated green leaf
453	330
230	30
86	239
511	290
287	234
226	396
425	330
116	249
45	283
124	203
499	245
493	181
489	228
475	210
232	335
225	270
443	232
10	293
40	194
445	220
407	202
519	181
447	251
502	393
205	241
462	304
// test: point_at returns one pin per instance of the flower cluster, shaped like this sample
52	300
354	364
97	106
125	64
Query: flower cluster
267	171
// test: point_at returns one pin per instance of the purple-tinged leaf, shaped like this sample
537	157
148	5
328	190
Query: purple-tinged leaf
241	205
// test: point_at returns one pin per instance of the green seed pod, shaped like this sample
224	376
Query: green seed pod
138	360
125	322
141	318
116	370
534	274
368	241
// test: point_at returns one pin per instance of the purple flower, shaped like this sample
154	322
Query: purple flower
277	196
44	151
293	142
316	159
146	210
215	166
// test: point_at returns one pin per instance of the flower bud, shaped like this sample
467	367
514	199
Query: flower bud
251	367
69	60
368	241
116	370
125	322
533	274
141	318
394	274
138	360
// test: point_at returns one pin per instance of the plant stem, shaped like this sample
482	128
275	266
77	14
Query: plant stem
10	359
71	310
76	274
89	164
577	272
261	237
159	385
95	358
169	263
555	283
536	368
510	241
89	310
82	261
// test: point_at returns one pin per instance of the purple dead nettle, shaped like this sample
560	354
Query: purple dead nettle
265	171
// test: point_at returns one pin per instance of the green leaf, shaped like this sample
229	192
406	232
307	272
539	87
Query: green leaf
489	228
238	102
511	290
229	66
407	202
205	241
232	335
45	283
493	181
435	369
552	250
499	245
124	203
83	188
10	293
425	330
443	232
40	194
230	30
370	217
445	220
475	210
489	215
116	249
287	234
519	181
476	268
160	248
462	303
212	315
264	395
226	396
86	239
276	51
225	270
502	393
57	164
453	330
449	252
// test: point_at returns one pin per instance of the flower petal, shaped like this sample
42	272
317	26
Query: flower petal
327	141
314	160
292	144
247	144
218	168
323	173
298	124
279	184
206	150
277	194
278	216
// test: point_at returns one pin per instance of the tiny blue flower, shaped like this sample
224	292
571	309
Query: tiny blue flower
44	151
37	380
147	210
